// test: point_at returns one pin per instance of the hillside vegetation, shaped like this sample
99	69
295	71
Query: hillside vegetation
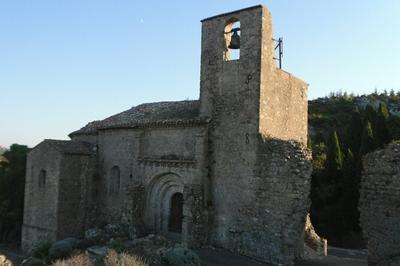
342	129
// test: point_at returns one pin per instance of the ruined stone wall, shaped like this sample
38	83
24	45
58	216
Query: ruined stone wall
40	208
74	203
380	205
270	224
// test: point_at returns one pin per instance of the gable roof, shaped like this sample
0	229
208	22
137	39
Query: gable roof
70	147
148	113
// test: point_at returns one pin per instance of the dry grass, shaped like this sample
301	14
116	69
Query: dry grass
123	259
76	260
112	259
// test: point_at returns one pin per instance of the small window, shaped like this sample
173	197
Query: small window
232	40
115	180
42	178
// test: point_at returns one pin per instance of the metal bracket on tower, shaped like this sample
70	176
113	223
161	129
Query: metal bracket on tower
279	47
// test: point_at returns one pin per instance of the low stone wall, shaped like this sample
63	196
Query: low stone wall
380	205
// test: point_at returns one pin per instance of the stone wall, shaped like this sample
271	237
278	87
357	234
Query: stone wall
259	187
283	106
40	209
380	205
270	224
74	196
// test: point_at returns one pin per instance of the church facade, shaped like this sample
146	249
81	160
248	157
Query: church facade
230	169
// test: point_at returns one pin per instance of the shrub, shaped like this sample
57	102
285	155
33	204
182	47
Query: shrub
124	259
181	257
60	250
76	260
117	245
73	241
41	250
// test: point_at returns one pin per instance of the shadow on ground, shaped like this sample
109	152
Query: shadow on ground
336	257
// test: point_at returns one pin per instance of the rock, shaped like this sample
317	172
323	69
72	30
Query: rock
95	235
60	250
32	262
114	231
97	251
181	257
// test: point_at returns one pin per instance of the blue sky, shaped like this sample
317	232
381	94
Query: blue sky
65	63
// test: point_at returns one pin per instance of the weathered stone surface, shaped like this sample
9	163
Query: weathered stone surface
229	170
318	244
380	205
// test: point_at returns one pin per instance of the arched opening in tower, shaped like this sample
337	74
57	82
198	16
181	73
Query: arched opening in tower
176	213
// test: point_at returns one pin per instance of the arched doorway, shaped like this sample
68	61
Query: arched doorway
163	196
176	213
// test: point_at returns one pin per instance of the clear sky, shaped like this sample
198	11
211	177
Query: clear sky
65	63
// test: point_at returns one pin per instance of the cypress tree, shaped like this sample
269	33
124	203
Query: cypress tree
334	156
370	113
354	132
351	192
381	131
367	139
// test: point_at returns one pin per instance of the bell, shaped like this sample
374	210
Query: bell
235	41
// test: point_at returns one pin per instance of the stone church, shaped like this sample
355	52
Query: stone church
229	170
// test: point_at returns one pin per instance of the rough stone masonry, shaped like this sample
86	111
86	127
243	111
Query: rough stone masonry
230	169
380	205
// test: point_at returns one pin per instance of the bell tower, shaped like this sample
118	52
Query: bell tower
247	99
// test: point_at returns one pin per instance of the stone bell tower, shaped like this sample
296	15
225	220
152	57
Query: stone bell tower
249	100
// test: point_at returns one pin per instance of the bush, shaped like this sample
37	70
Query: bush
73	241
41	250
181	257
124	259
60	250
117	245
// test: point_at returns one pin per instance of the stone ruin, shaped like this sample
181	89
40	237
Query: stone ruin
229	170
380	205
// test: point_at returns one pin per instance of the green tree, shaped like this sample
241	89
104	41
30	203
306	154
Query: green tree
381	131
334	156
351	193
354	131
393	124
12	185
370	114
367	139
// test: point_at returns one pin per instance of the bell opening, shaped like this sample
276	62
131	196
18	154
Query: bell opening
232	40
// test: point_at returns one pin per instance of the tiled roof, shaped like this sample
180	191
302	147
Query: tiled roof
160	112
70	147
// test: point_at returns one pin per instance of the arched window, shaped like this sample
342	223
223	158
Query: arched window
115	180
42	178
232	40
